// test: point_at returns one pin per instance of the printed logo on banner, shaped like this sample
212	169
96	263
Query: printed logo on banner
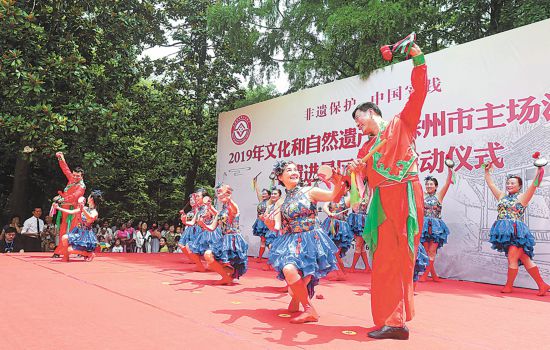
240	130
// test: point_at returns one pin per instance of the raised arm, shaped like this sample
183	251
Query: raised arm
526	197
64	167
233	210
496	192
419	79
445	188
210	227
257	189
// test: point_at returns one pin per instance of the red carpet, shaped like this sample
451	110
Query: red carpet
155	301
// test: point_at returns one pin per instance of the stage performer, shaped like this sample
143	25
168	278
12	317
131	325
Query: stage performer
208	239
421	263
304	253
193	247
509	234
188	227
356	221
273	205
229	257
338	229
396	204
258	228
434	231
82	240
67	200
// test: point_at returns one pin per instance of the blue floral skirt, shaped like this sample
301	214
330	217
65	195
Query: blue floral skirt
234	251
204	240
422	261
340	233
357	223
187	235
81	238
505	233
439	231
259	228
270	237
312	252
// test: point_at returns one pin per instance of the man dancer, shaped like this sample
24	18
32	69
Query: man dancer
396	210
68	200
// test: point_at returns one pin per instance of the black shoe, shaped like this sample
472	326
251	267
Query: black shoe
387	332
56	256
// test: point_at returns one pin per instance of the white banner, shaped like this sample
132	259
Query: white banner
488	100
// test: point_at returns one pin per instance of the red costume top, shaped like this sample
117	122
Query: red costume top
73	190
396	208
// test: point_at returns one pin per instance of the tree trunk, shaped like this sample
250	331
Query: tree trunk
191	176
18	198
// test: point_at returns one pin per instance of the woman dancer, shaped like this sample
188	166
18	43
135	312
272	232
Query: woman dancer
304	253
434	231
273	205
356	220
193	247
259	229
509	234
229	258
189	228
82	240
337	227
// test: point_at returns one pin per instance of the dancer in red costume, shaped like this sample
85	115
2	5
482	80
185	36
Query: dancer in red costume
396	206
68	200
82	240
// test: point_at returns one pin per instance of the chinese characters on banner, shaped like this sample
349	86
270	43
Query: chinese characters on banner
489	116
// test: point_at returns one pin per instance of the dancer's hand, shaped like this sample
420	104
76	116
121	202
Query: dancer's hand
60	155
415	50
355	165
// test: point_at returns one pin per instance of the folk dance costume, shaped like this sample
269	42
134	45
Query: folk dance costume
421	263
337	226
259	229
203	239
434	230
270	236
509	229
301	243
509	232
233	250
67	200
82	237
356	220
392	230
189	230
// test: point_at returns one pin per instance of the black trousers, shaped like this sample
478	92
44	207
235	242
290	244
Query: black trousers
31	244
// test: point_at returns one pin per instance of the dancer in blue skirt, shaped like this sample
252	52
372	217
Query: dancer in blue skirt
509	234
304	253
434	231
229	257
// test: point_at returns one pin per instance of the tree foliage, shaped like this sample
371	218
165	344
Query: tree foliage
73	77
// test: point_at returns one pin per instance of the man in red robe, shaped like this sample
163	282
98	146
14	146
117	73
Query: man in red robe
68	199
396	209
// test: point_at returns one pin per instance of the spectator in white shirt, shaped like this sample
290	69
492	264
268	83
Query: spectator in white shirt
30	234
143	239
117	248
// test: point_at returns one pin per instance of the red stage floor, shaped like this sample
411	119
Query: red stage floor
155	301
